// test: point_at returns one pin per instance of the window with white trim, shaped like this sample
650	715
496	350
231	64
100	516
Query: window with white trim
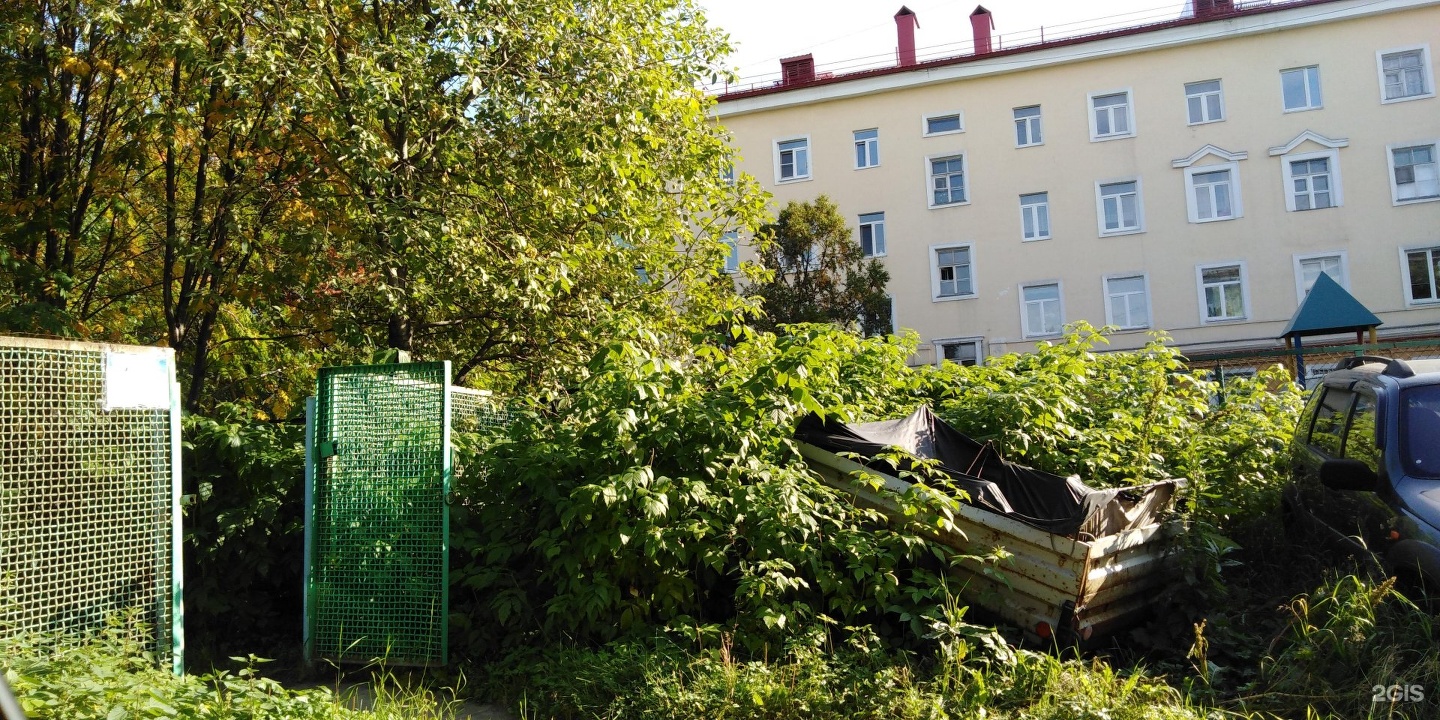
732	259
872	234
867	148
1405	74
1311	184
1413	173
879	322
952	272
1300	88
792	160
1204	102
1222	292
1212	192
1042	312
944	124
1127	302
967	351
947	180
1308	269
1422	275
1119	207
1035	216
1110	116
1027	126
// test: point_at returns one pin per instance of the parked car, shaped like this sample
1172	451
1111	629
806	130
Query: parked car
1367	464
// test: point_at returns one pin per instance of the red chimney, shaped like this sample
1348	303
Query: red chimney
1211	8
905	24
981	23
798	69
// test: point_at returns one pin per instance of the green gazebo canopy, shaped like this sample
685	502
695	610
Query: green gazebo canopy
1329	309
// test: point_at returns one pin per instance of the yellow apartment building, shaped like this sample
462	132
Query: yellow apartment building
1194	175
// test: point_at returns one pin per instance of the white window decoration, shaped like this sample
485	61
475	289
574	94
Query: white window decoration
867	148
732	260
1035	216
947	180
1111	116
1308	269
943	124
1300	88
1422	275
1118	205
872	234
961	351
1222	292
792	160
1041	313
1212	192
1027	126
952	272
1413	173
1127	302
1405	74
1204	102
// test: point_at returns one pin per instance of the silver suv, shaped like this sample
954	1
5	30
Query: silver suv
1367	464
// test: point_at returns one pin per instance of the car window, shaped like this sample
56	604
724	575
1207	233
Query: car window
1307	416
1420	434
1330	421
1360	439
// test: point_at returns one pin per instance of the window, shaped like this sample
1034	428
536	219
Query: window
792	160
1040	309
732	260
1203	102
1330	416
1127	302
944	124
1309	267
1213	192
867	148
1119	207
872	234
961	352
878	321
1405	74
1300	88
952	275
1110	116
1027	126
1222	292
1413	176
727	173
1360	439
1035	216
1422	271
947	180
1312	180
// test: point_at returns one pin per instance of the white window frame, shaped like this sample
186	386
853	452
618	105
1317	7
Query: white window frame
930	179
1405	275
940	343
1318	81
1149	307
1287	177
1244	292
884	242
934	259
1390	149
872	148
1426	69
732	239
1139	207
1129	114
1025	314
1237	209
809	159
926	118
1032	125
1344	278
1203	105
1046	204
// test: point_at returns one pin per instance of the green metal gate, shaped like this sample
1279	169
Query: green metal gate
90	489
377	523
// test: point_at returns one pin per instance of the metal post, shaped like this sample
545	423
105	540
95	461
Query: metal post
177	536
446	469
1300	361
307	638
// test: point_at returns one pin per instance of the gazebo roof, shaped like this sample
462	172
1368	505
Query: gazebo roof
1329	309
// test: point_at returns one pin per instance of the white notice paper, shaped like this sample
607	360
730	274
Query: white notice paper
137	381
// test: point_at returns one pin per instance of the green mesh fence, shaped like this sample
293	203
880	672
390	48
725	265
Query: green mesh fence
377	520
89	483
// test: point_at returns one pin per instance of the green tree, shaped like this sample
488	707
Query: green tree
819	274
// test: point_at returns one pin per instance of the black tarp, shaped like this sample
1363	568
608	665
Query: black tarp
1060	505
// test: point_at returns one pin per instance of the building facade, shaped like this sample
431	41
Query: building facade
1193	176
